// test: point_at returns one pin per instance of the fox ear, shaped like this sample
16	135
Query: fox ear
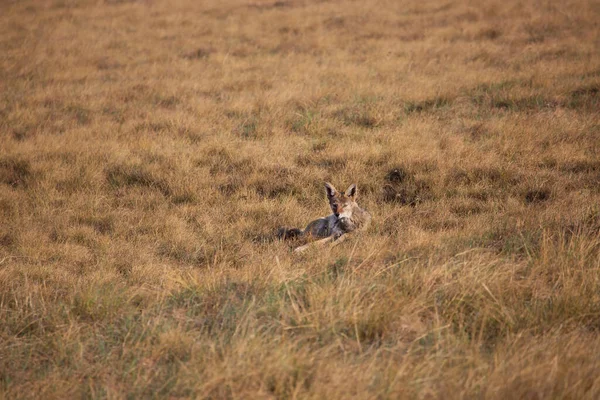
330	190
351	191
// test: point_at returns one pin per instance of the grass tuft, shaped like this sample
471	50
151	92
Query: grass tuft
120	176
15	172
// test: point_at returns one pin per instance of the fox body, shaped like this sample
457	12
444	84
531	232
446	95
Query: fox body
347	217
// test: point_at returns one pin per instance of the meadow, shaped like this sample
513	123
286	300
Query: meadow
150	149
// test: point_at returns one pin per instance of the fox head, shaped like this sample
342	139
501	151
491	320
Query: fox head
342	204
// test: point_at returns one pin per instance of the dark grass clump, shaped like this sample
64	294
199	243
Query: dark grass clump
401	186
221	161
580	166
266	188
101	224
16	173
427	105
119	176
534	196
201	53
359	117
586	97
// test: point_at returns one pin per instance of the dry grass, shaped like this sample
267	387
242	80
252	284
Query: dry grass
148	151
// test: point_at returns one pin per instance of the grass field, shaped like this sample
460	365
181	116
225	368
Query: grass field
149	150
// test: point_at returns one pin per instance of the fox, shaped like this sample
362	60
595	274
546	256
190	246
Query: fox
347	217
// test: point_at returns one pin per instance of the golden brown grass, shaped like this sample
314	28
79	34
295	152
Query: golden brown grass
148	151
